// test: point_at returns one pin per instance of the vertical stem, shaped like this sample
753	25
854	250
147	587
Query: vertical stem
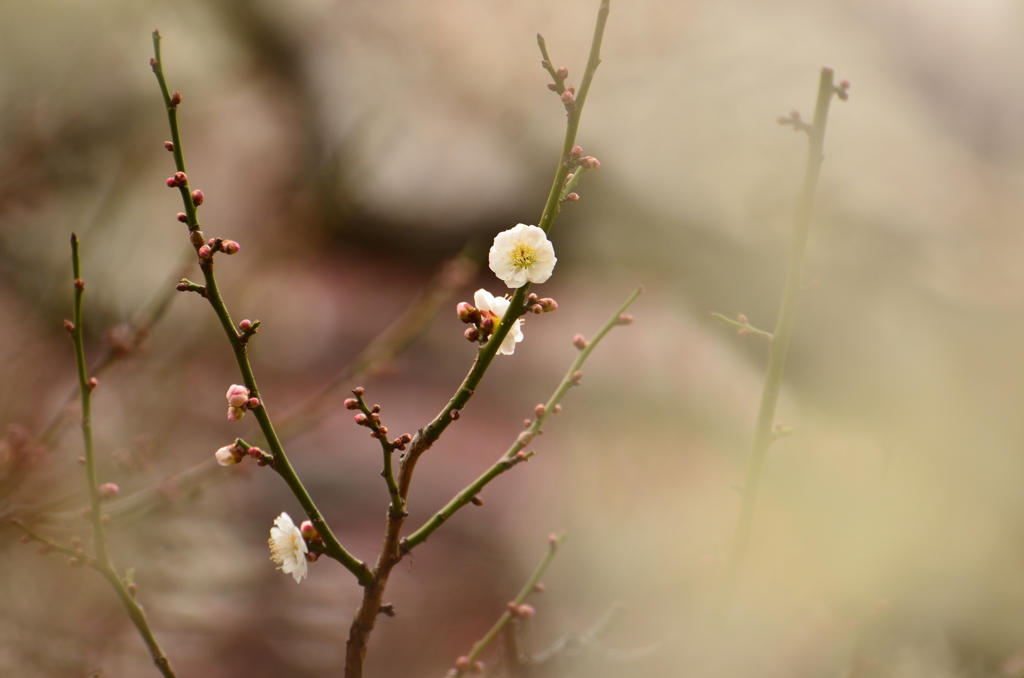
99	537
784	325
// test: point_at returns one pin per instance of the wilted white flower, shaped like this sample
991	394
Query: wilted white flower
287	547
522	253
494	308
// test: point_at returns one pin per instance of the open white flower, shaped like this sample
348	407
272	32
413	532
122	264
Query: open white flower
288	548
522	253
494	307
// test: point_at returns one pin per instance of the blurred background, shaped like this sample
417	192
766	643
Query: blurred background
355	149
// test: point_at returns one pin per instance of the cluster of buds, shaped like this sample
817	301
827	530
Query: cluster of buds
843	90
523	611
370	418
537	305
795	121
214	245
239	401
178	180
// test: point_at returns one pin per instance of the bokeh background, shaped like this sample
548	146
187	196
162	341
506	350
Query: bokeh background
355	147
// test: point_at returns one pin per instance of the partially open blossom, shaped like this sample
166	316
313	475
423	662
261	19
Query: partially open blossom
494	308
287	547
235	414
237	395
522	254
229	455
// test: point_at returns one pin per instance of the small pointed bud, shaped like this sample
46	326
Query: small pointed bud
351	404
175	99
454	414
169	145
358	391
182	287
844	84
572	197
625	319
196	238
230	247
577	377
576	153
557	409
487	325
235	414
511	607
245	325
549	305
553	87
532	299
180	178
361	419
580	342
462	663
69	326
540	411
92	383
553	539
132	589
538	588
79	284
406	439
536	309
237	395
205	252
197	197
375	409
252	403
590	162
476	501
522	456
472	333
741	319
81	460
171	183
527	423
182	217
562	73
572	89
309	532
153	62
568	178
108	491
568	99
312	556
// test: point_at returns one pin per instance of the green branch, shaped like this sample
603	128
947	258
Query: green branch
514	454
784	326
281	465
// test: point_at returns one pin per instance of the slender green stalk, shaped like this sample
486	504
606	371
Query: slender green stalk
101	563
397	506
520	598
281	465
743	327
784	325
511	458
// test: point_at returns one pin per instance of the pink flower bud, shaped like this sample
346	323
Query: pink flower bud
572	197
472	333
175	99
308	531
538	588
237	395
577	377
557	409
358	391
553	539
462	663
524	611
180	178
576	152
197	197
454	414
230	247
92	383
351	404
625	319
580	342
171	183
467	313
182	217
182	287
229	455
169	145
590	162
69	326
487	325
361	419
108	491
568	98
562	73
540	411
235	414
245	325
252	403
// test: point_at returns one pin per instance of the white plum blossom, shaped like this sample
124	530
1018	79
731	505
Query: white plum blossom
494	308
522	254
287	547
229	455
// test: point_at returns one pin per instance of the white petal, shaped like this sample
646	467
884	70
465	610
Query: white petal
483	300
